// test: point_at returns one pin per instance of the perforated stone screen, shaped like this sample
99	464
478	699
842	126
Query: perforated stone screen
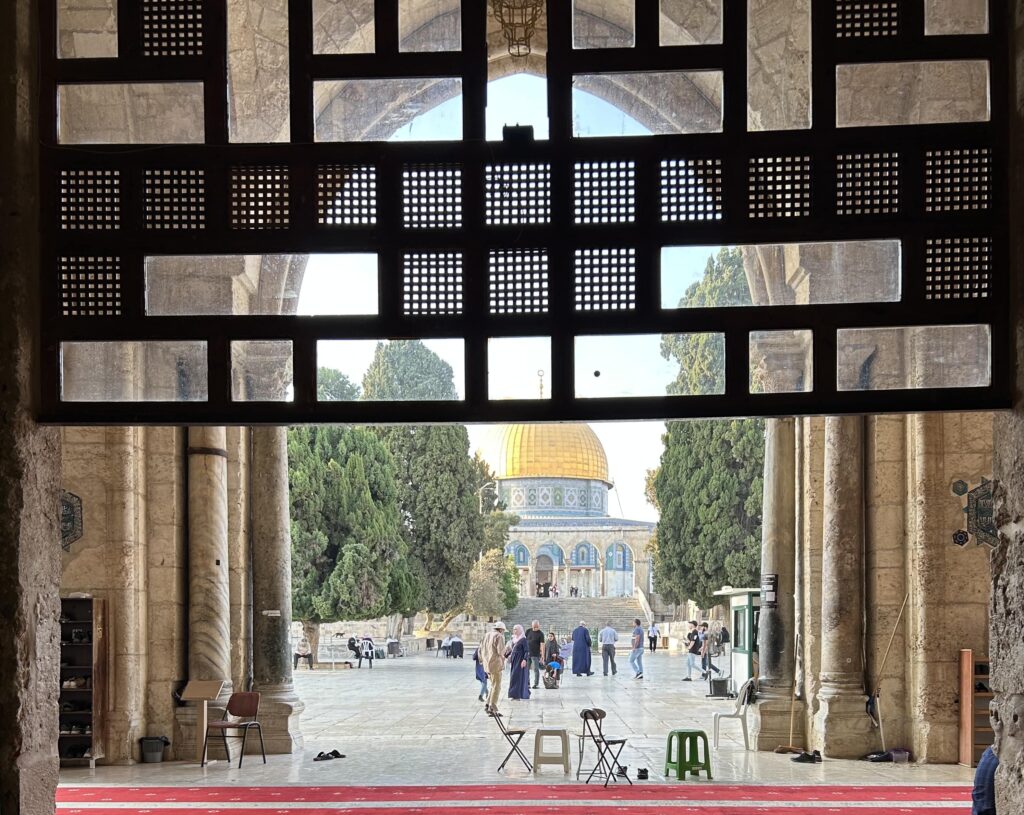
819	151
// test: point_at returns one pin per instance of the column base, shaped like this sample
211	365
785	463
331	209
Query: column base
842	724
770	721
280	709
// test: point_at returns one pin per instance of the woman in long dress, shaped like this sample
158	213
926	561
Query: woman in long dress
519	682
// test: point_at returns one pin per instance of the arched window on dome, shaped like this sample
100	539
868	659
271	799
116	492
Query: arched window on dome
618	580
519	553
584	554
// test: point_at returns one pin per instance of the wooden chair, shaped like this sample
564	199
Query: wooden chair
608	750
245	706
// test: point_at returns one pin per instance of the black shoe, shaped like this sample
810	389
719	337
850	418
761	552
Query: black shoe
639	676
808	758
687	679
534	687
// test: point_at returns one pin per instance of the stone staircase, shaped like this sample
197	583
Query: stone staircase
563	614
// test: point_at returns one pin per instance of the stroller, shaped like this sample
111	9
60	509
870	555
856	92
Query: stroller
553	673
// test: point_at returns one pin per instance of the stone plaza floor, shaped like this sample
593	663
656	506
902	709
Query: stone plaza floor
417	721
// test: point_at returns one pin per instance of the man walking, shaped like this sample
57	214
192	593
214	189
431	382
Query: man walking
636	656
706	665
492	654
535	644
607	637
652	636
692	651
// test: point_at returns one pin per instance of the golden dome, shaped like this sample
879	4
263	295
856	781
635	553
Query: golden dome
551	450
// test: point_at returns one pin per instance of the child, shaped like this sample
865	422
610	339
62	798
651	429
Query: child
481	675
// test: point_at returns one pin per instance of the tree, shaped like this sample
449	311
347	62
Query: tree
348	552
436	478
333	386
493	585
708	487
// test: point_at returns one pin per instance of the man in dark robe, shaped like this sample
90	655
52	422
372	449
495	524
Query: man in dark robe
581	651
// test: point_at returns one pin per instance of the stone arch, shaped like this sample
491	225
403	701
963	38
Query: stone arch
519	553
584	554
620	570
553	551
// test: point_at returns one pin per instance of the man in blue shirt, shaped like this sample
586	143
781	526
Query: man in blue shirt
984	793
636	656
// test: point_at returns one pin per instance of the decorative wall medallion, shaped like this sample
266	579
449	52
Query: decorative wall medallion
70	519
979	512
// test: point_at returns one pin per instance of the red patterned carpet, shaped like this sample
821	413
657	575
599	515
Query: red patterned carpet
687	798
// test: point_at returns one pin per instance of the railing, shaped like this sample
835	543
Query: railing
641	598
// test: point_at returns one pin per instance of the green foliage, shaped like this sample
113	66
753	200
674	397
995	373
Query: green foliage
493	585
348	553
333	386
408	370
701	357
436	477
708	488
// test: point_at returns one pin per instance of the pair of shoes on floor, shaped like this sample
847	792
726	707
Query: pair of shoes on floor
321	756
808	758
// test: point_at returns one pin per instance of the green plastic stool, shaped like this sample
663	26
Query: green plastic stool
687	752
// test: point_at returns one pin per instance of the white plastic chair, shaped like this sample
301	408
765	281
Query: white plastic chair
739	713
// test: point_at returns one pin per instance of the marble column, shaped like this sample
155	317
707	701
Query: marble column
776	630
842	727
126	611
272	592
209	607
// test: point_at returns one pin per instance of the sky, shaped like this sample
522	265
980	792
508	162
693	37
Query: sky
605	366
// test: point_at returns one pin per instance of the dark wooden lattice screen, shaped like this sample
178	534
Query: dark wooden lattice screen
559	238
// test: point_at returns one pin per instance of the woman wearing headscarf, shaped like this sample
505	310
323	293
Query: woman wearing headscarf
519	683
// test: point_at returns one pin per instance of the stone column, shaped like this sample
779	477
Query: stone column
209	607
30	455
842	726
126	619
776	630
272	591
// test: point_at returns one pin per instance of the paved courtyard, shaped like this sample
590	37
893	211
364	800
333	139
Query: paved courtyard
417	721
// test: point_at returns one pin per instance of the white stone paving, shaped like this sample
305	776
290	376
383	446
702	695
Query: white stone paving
416	721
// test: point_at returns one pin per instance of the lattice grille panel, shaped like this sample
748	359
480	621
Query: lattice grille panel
867	183
867	18
432	196
958	268
605	279
90	199
174	199
605	192
518	194
958	180
780	186
519	281
691	190
432	283
346	195
260	198
90	286
172	28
